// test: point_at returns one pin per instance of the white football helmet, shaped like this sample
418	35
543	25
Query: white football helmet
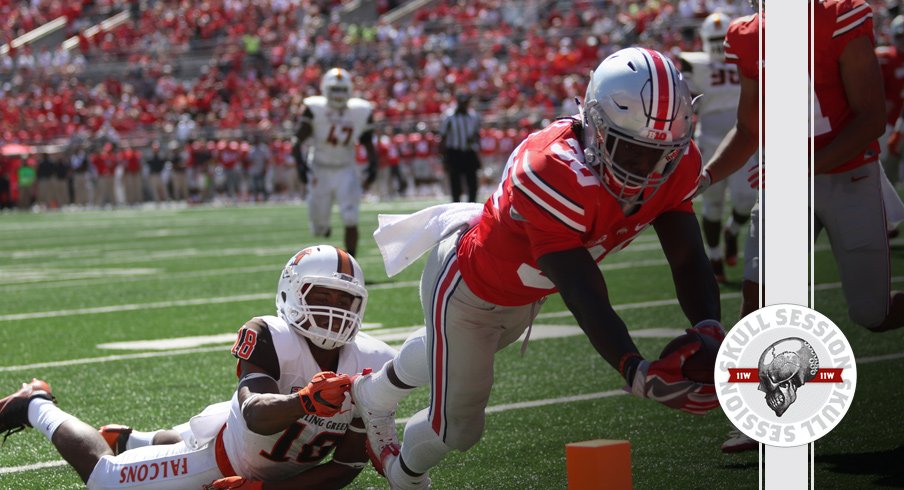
637	118
327	326
336	86
712	33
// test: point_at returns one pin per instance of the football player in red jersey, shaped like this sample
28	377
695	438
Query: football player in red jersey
571	194
849	116
288	414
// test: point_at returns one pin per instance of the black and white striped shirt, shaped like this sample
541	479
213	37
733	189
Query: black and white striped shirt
460	131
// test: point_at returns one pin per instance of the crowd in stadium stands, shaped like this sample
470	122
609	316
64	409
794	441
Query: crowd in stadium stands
524	62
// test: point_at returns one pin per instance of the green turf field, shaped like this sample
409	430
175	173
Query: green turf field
70	282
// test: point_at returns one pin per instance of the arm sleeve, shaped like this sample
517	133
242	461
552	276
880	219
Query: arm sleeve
853	18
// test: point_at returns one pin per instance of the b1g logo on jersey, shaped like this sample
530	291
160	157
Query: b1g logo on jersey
785	375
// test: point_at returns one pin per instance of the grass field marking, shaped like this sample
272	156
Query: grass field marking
32	467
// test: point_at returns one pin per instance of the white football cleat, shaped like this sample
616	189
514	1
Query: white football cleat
397	477
382	438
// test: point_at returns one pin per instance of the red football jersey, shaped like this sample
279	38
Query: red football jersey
549	201
741	44
892	63
837	22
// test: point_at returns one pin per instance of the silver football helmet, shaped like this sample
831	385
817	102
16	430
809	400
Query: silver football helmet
336	86
712	33
306	296
637	118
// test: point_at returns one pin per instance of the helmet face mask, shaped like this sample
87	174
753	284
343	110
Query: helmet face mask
336	86
637	123
322	303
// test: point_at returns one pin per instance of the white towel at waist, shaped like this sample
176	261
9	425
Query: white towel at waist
403	238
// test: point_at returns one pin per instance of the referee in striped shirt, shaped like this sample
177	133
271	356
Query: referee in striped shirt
459	139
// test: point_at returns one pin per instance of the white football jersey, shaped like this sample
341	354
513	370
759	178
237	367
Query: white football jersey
335	131
310	439
717	110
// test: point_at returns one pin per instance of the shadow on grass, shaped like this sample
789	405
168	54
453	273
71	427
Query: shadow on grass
886	466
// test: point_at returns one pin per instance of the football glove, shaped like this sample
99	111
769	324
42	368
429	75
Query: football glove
662	381
234	482
324	395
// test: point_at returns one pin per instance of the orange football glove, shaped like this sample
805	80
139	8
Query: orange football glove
324	395
234	482
894	143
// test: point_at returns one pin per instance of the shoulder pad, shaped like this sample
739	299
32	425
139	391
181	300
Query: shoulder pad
315	101
358	103
254	344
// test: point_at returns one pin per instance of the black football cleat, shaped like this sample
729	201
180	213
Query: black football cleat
14	408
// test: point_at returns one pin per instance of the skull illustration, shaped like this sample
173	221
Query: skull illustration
784	367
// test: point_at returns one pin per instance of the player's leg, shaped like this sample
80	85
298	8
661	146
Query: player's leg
34	405
166	467
751	288
711	224
348	195
850	206
320	200
743	198
122	438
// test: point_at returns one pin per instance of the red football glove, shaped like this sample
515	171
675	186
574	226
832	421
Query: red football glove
662	381
894	143
234	482
324	395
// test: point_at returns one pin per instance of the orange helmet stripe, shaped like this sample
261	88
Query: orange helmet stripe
345	262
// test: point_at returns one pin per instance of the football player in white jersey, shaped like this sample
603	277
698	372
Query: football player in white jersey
335	121
272	429
719	84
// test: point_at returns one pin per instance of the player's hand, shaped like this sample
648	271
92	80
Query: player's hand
325	393
709	327
894	143
662	381
234	482
753	177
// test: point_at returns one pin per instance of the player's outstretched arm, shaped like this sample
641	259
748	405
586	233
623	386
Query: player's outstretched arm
581	284
695	284
860	74
266	411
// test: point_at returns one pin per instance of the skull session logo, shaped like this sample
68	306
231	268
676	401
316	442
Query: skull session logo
785	375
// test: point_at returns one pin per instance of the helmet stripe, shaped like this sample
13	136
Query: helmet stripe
662	90
345	263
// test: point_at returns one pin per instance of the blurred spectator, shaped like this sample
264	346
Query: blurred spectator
259	161
156	163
